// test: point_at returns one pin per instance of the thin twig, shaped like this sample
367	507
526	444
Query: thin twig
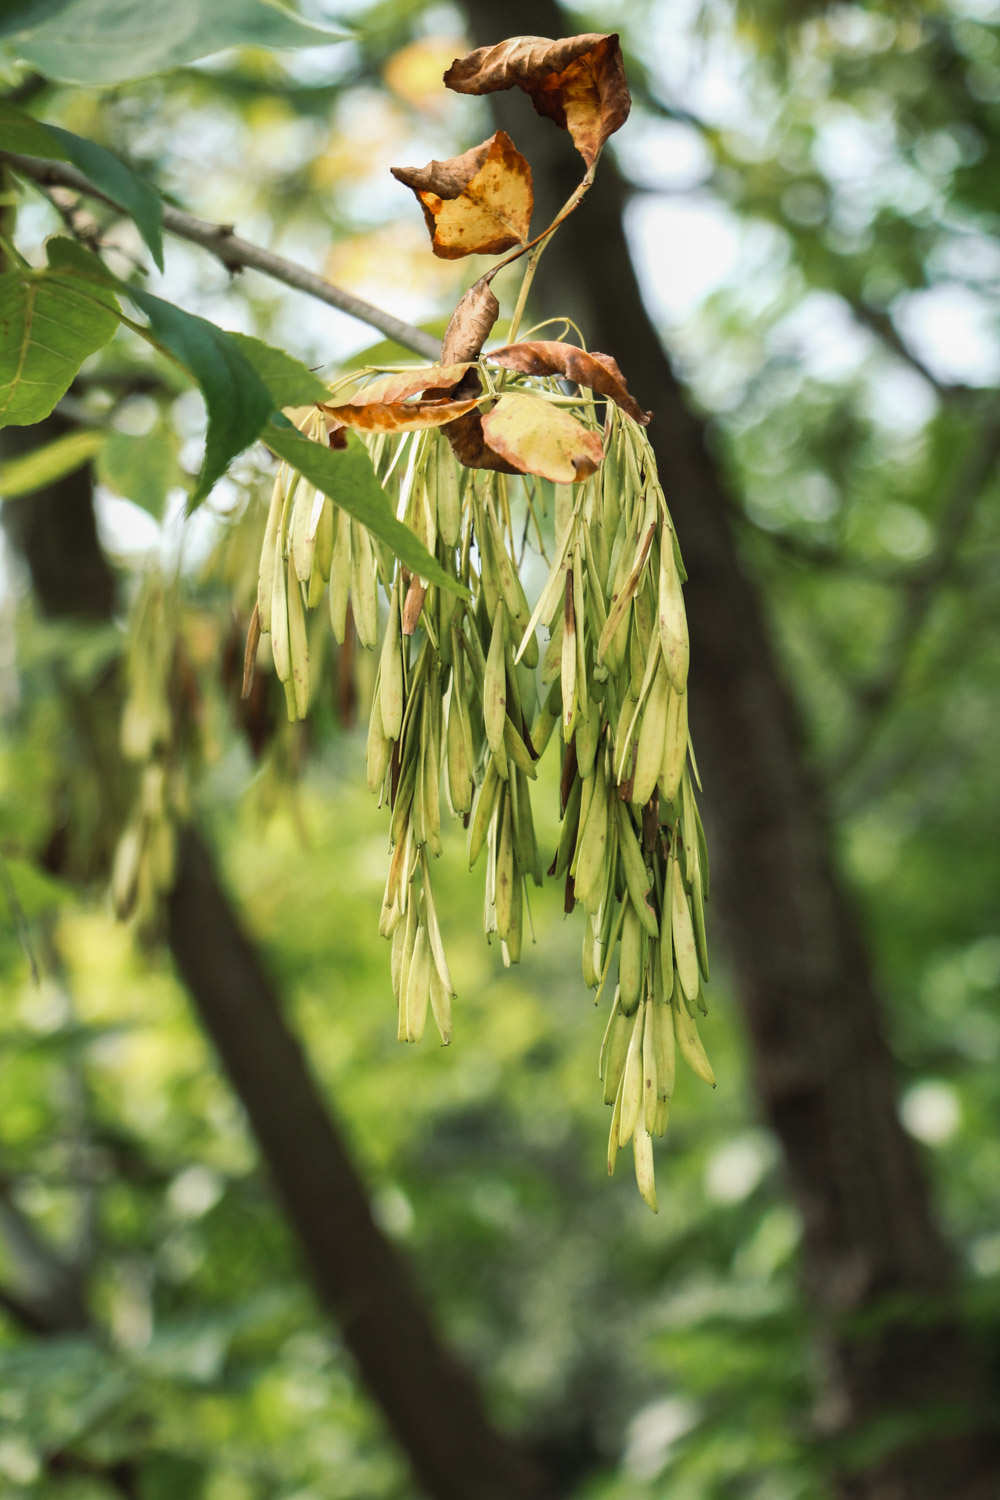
876	694
238	254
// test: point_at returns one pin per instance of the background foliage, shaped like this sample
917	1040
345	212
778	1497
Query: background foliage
812	207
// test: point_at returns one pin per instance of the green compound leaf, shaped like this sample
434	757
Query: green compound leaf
109	41
49	323
347	476
290	382
44	465
19	132
238	401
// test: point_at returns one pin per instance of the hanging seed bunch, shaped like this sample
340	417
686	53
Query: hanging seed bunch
156	720
473	679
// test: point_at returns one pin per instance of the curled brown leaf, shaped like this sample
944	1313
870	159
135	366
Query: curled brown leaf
470	324
398	416
577	81
403	383
381	406
598	372
478	203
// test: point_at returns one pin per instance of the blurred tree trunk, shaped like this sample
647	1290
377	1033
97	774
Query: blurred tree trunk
431	1401
879	1279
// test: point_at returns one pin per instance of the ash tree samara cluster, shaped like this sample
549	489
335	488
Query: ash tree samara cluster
404	508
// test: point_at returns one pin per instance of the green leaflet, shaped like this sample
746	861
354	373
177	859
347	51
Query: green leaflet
347	476
108	41
45	464
290	382
243	380
238	401
19	132
48	325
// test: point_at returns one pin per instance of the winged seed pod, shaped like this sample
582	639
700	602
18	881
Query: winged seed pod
159	687
467	693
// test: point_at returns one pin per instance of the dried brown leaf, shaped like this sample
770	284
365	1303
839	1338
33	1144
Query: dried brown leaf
478	203
539	438
577	81
403	383
398	416
599	372
470	324
381	406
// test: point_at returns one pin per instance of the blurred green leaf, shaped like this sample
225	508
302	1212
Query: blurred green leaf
109	41
140	467
50	323
35	890
19	132
46	464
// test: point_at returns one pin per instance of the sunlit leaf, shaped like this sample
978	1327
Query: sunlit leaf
599	372
49	462
108	41
539	438
478	203
347	476
578	81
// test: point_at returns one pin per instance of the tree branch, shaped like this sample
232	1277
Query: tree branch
237	254
428	1397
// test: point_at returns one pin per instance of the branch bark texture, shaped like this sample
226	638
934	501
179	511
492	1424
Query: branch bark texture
878	1275
427	1397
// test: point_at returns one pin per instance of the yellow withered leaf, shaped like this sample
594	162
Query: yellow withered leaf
539	438
599	372
469	445
478	203
577	81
